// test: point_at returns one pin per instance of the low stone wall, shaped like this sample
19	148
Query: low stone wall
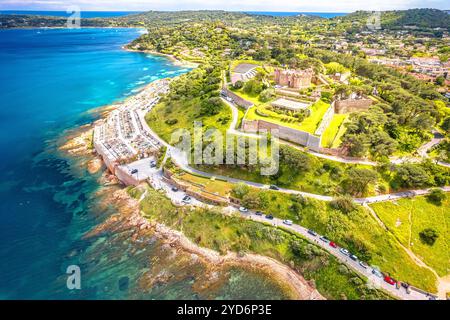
326	120
297	136
352	105
125	177
203	195
241	102
207	197
110	164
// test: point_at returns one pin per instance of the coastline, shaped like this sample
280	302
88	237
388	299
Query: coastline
79	145
176	61
129	216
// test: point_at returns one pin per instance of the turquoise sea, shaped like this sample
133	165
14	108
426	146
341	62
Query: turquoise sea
50	80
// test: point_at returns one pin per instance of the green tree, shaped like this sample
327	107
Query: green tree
266	95
382	145
436	196
358	180
240	190
355	144
440	81
253	87
344	204
412	176
446	124
296	161
238	85
428	236
211	107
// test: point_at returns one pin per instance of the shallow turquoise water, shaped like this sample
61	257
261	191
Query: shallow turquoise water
49	80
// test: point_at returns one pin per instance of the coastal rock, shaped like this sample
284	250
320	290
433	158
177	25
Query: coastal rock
94	165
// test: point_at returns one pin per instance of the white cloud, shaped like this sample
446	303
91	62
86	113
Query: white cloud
231	5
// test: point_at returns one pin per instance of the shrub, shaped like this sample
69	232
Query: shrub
240	190
238	85
412	176
266	95
344	204
171	122
428	236
436	196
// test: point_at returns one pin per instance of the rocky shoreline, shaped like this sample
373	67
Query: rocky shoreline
176	61
79	145
130	217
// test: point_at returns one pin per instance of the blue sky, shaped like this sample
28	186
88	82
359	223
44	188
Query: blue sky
231	5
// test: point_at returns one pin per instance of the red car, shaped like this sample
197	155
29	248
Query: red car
389	280
332	244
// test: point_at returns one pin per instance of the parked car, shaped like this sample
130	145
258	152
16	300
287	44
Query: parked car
344	251
324	239
377	273
353	257
269	217
243	209
187	199
258	213
134	171
287	222
312	232
363	264
174	189
273	187
332	244
406	286
389	280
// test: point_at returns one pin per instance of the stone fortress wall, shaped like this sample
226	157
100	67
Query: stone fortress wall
289	134
352	105
294	78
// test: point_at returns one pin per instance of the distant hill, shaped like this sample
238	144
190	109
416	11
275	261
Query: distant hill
421	18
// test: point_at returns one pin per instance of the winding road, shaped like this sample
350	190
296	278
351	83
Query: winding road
180	160
373	280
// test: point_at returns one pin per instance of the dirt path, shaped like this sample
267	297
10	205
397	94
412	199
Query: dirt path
443	283
376	217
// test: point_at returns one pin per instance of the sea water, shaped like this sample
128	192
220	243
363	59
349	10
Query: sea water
49	81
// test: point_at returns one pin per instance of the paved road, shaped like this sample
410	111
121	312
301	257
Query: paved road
159	183
372	279
437	138
180	160
234	122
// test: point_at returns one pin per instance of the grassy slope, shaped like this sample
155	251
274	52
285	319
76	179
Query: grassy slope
214	186
331	133
412	216
355	231
315	180
186	112
225	233
337	139
311	123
